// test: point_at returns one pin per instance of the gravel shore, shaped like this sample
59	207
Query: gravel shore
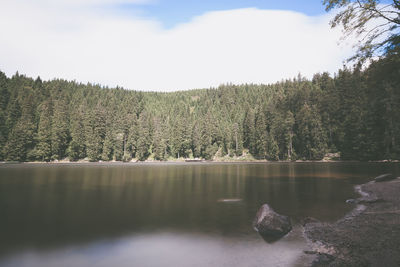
368	236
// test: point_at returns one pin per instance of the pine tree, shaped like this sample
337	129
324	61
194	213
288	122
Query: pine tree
208	147
159	141
118	145
108	145
44	136
144	138
196	141
311	137
95	126
20	141
59	130
3	133
259	148
4	99
236	143
133	135
249	130
77	147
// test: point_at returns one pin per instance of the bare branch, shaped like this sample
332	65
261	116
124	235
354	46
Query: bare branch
375	28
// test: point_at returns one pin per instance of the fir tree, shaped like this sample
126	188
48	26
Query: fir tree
43	147
59	130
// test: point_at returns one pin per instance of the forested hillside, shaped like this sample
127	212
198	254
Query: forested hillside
356	113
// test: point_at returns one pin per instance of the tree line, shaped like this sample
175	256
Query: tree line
355	112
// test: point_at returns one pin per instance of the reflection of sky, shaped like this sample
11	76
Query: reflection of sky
169	249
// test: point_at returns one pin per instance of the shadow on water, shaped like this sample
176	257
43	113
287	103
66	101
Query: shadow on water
48	206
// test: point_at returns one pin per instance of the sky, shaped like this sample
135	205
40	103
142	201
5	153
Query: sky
168	45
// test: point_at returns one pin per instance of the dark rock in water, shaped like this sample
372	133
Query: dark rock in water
271	225
229	200
322	260
364	200
384	177
309	220
310	252
351	201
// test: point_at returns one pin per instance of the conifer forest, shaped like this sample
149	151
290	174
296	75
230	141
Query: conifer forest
355	112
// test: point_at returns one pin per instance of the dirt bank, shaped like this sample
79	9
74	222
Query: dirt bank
368	236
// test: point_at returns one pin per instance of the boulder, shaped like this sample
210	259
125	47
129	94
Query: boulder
271	225
384	177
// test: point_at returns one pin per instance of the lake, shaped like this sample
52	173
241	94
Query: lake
166	214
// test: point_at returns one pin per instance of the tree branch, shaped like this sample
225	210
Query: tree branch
378	12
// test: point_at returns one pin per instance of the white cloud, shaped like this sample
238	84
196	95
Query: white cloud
238	46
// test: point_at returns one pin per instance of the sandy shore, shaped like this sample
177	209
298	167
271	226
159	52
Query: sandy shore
368	236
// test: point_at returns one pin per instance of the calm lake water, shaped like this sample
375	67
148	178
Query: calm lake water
166	214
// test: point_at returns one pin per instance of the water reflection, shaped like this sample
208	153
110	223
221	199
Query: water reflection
166	249
46	207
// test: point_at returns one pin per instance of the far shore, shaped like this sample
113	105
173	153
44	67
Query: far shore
194	161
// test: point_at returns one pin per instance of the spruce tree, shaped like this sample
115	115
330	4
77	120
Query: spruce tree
59	130
44	136
77	146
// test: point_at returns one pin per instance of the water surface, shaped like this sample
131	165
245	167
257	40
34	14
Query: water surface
166	214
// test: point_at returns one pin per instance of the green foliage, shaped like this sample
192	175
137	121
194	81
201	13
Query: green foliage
20	141
44	135
144	137
356	112
108	146
377	25
95	125
311	138
77	146
159	140
59	130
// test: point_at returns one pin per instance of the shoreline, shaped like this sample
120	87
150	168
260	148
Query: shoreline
191	161
367	236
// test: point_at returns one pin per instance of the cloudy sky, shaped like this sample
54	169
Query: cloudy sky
167	45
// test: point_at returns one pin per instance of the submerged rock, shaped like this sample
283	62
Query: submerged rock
309	220
229	200
322	260
271	225
384	177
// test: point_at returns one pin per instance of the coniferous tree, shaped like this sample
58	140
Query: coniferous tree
118	145
77	147
196	141
133	136
4	99
259	147
44	136
19	141
3	133
249	130
311	138
108	146
356	112
144	138
159	141
59	130
95	132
